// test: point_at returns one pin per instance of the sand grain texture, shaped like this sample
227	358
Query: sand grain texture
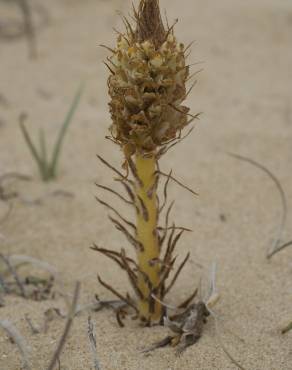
245	94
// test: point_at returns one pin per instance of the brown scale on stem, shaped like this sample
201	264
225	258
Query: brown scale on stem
165	265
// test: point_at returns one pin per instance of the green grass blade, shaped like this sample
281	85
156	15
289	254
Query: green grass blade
287	328
33	150
66	123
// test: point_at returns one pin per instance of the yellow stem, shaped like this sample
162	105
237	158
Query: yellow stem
147	217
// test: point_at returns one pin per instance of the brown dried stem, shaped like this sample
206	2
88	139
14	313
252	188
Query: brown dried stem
14	274
70	318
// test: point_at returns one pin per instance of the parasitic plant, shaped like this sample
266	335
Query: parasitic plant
147	87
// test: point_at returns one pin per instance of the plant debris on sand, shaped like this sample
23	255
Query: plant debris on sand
33	287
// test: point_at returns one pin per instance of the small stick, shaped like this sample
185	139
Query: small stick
19	340
113	304
32	327
119	313
163	343
3	285
70	318
14	274
92	341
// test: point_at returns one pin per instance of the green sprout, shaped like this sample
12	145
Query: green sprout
48	167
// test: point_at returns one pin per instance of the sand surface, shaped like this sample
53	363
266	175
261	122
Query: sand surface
245	93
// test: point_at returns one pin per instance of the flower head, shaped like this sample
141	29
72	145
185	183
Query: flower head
147	84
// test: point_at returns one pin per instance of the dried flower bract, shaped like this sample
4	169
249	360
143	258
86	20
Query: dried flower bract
147	84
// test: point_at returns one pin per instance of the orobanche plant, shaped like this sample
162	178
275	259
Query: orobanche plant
147	87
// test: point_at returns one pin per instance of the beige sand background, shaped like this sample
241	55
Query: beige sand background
245	92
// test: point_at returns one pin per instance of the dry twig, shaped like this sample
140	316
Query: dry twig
14	274
70	318
19	340
92	341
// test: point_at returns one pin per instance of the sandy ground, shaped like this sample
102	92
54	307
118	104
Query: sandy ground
245	94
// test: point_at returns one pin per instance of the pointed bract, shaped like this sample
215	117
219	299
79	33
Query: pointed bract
148	84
